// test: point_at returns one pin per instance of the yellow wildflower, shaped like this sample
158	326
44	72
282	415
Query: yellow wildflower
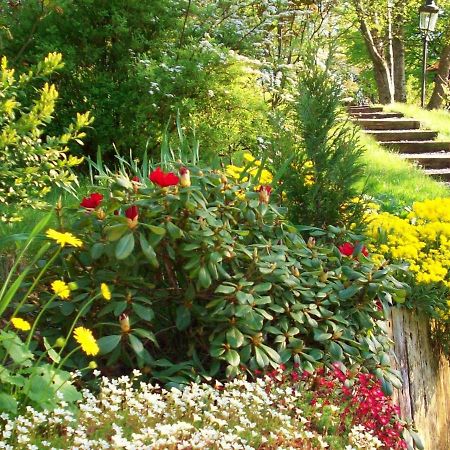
61	289
64	238
20	324
106	293
87	341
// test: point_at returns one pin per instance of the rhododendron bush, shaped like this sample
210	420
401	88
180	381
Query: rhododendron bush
205	277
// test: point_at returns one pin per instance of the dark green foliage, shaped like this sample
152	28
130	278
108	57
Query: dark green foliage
207	282
320	180
135	65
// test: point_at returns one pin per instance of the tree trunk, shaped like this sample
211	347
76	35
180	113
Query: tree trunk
441	80
383	78
398	47
383	81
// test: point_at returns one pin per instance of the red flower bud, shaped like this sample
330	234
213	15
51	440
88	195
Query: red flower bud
185	177
348	248
163	179
132	212
264	193
92	201
124	322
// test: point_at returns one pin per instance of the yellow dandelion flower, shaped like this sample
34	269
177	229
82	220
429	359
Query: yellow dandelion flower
87	341
20	324
61	289
64	238
106	293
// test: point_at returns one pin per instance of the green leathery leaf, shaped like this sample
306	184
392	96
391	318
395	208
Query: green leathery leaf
115	232
234	337
125	246
108	343
136	344
232	357
204	278
183	319
144	312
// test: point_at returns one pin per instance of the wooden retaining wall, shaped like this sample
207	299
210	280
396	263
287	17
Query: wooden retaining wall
425	396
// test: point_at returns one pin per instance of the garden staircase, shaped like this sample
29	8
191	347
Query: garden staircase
407	137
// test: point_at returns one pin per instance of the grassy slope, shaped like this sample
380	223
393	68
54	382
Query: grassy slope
438	120
391	177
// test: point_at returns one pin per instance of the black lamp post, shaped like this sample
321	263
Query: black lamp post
429	13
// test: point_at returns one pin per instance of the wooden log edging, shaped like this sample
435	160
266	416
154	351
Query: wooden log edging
425	395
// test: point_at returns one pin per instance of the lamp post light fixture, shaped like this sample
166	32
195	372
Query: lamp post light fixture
429	13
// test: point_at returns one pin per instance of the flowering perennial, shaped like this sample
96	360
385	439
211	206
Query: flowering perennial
237	415
63	239
106	293
20	324
61	289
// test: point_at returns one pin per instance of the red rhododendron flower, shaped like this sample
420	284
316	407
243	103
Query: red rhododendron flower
92	201
163	179
132	212
136	179
348	248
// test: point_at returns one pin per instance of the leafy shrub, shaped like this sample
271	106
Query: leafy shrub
319	178
31	160
207	278
159	64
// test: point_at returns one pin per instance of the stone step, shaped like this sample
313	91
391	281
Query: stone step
402	135
362	109
376	115
417	146
388	124
440	174
439	160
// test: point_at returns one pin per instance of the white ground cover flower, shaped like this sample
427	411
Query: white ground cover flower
130	415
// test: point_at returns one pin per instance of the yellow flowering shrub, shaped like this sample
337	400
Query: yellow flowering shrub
422	239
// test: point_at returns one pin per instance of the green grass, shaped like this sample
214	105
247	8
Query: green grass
437	120
393	180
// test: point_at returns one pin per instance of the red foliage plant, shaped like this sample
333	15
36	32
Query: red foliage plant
359	397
